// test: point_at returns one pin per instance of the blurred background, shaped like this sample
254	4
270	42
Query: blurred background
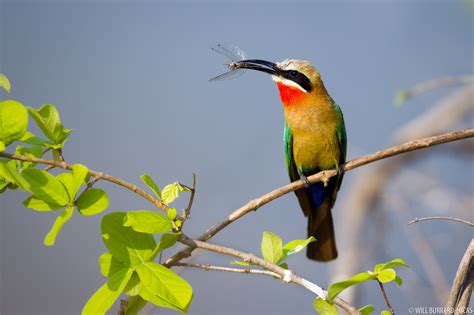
131	79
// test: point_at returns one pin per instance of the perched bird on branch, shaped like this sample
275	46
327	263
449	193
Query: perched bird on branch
314	139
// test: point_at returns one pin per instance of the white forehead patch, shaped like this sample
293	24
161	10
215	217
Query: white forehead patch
287	64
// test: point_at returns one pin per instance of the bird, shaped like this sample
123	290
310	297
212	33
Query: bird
314	140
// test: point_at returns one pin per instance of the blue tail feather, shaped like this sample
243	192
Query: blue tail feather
318	193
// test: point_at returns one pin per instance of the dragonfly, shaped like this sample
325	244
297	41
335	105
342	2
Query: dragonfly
234	54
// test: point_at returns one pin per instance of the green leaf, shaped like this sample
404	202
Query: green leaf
133	286
68	182
135	304
296	246
5	83
46	187
10	174
79	173
324	307
40	205
2	146
13	121
393	263
385	312
50	238
171	213
105	297
171	192
401	97
386	275
284	265
378	267
125	244
398	281
338	287
30	138
147	221
272	247
109	265
33	151
92	201
150	183
166	241
366	310
163	287
47	119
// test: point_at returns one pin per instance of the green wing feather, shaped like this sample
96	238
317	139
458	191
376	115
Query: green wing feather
301	194
341	135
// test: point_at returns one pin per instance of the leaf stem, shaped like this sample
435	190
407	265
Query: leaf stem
385	297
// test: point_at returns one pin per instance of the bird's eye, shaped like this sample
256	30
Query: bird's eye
293	73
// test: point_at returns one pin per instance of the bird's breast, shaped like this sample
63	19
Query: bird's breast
314	132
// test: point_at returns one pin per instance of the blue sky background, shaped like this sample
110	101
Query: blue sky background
131	78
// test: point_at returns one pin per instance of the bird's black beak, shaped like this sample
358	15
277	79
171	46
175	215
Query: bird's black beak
256	64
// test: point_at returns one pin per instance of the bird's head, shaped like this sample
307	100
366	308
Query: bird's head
295	78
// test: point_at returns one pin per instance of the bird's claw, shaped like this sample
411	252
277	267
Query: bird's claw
340	170
305	180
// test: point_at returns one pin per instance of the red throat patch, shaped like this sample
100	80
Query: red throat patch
289	94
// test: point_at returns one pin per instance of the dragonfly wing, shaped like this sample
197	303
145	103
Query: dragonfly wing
231	51
232	74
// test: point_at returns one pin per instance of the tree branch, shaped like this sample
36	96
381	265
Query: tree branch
324	175
287	276
416	220
229	269
463	283
96	174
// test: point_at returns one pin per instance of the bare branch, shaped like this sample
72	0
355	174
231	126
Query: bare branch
229	269
463	284
416	220
286	275
385	297
430	85
257	203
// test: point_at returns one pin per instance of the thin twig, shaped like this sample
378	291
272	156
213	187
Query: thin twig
430	85
96	174
257	203
229	269
287	276
49	168
187	210
416	220
385	297
123	307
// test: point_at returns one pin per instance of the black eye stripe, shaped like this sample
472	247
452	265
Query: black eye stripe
298	78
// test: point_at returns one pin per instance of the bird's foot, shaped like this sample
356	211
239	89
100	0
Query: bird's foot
305	180
340	170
